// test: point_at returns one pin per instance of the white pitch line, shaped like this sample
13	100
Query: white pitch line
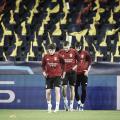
7	82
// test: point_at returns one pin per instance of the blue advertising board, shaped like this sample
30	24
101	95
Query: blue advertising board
28	92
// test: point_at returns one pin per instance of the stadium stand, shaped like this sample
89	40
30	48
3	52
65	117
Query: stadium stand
27	26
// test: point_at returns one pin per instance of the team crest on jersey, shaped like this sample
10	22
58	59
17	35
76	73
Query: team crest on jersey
63	56
82	56
71	55
55	58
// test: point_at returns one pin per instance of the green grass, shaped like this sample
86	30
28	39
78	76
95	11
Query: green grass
61	115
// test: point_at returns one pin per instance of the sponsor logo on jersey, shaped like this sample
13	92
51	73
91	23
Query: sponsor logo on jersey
71	55
55	58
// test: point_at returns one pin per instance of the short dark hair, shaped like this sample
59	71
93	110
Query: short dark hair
51	46
66	43
78	44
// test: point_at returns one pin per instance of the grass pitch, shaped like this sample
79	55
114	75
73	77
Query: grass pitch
61	115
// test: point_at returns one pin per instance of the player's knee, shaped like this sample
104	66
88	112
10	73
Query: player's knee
84	88
48	92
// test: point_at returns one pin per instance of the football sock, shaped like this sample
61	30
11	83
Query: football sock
57	105
79	102
71	104
65	100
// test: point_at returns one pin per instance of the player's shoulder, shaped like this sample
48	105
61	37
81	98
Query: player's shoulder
61	51
73	50
57	54
85	52
45	55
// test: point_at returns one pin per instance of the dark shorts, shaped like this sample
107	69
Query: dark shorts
53	82
70	78
81	80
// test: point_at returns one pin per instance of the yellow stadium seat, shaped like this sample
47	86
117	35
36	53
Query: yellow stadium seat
14	53
5	30
1	15
35	43
18	42
17	5
97	53
112	32
103	43
57	31
97	5
2	41
50	40
55	9
36	5
111	19
45	51
117	8
112	58
5	56
92	30
31	53
12	21
23	25
117	52
29	19
97	17
41	29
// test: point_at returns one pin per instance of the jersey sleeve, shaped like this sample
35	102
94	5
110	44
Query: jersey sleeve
62	62
43	63
88	58
77	56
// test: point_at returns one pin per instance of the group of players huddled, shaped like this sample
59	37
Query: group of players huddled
68	66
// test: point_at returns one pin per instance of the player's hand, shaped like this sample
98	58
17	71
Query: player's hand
86	72
74	68
44	73
63	76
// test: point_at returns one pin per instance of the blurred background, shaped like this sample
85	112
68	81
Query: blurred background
28	26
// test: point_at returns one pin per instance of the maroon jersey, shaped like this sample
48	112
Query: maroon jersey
71	58
53	65
85	61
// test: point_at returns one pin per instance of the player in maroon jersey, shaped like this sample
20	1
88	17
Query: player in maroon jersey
53	66
82	75
71	58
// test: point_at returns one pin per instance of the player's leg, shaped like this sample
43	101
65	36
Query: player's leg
83	87
57	93
64	91
72	95
57	84
48	97
72	80
48	93
77	96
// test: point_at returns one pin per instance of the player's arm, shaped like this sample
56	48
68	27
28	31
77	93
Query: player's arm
62	61
77	58
43	66
89	60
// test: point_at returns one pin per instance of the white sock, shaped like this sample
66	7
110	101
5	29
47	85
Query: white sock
49	103
82	105
79	102
57	105
65	100
71	104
